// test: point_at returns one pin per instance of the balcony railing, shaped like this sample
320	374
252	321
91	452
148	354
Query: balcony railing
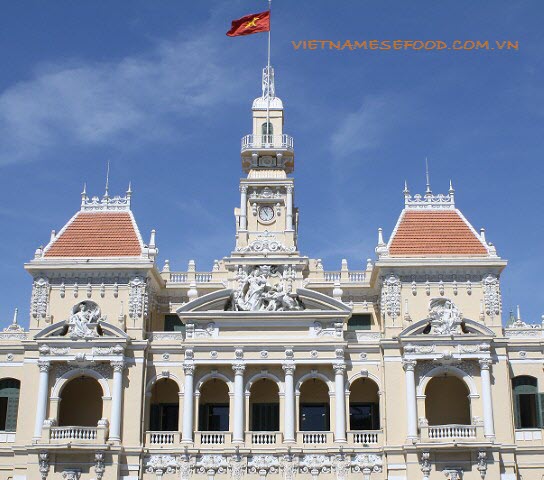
284	142
365	437
162	438
437	433
263	438
83	434
212	438
314	438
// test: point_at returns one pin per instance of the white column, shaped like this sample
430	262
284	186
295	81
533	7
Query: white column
43	390
188	401
485	365
340	401
243	207
238	430
116	400
289	208
411	405
289	401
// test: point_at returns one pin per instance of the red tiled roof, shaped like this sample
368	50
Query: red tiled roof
97	234
434	233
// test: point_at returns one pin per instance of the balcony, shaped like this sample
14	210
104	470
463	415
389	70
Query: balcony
315	438
79	435
452	433
205	439
365	437
162	439
263	439
267	142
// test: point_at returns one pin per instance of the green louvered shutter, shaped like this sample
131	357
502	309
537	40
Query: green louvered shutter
517	413
541	410
9	389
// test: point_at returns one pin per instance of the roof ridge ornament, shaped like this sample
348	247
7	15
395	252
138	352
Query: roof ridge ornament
429	201
106	203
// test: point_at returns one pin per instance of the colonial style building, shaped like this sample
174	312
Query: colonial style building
268	366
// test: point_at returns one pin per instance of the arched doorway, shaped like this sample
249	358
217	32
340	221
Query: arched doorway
164	411
314	410
214	406
81	403
264	406
9	404
447	401
364	405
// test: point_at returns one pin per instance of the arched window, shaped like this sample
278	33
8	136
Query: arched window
9	404
314	406
267	129
528	403
164	409
214	406
364	405
264	402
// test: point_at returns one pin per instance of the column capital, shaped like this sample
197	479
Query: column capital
409	365
339	368
485	363
243	188
118	365
189	368
238	368
289	368
290	188
44	365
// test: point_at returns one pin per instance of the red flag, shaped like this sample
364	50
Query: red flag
254	23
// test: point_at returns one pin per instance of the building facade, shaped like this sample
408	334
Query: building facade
269	366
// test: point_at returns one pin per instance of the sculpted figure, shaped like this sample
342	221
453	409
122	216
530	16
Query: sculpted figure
83	315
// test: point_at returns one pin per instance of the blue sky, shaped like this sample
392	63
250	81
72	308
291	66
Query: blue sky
159	90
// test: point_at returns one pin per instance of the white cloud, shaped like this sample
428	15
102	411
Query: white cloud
132	100
367	127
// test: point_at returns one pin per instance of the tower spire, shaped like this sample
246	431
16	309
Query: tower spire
428	190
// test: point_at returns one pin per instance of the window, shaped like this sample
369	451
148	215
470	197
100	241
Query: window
172	323
267	129
360	321
265	417
214	417
314	417
164	417
363	416
528	403
9	404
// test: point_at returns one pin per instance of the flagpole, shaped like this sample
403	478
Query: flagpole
268	73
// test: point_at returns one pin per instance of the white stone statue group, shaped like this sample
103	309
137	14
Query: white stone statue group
445	317
258	293
84	320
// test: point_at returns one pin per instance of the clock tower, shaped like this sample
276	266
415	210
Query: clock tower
266	221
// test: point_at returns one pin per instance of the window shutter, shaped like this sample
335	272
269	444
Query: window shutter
9	388
540	410
517	413
154	418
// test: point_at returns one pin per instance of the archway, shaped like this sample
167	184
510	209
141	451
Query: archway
164	411
264	406
81	403
364	405
447	401
214	406
314	411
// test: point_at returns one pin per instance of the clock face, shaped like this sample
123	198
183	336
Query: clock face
266	213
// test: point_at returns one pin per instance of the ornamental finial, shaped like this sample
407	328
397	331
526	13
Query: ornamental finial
106	193
428	190
15	315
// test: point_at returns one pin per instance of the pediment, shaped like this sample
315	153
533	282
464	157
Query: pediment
60	330
310	300
468	327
